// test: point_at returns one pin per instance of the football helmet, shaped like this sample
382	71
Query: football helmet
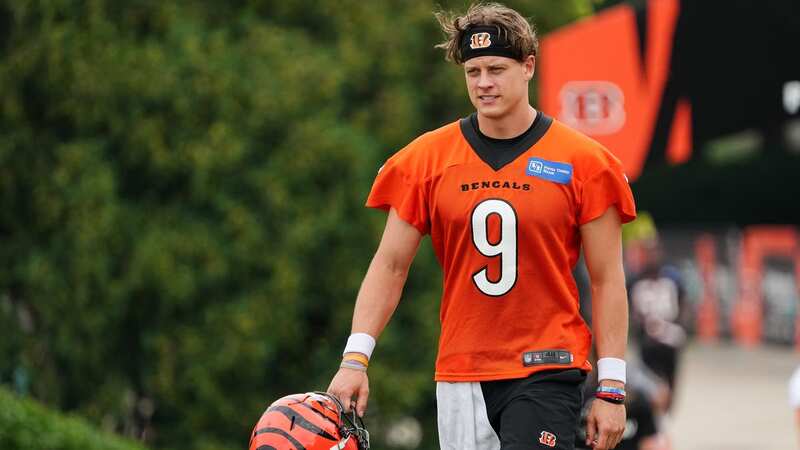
310	421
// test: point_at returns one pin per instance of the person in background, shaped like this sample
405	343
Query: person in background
658	313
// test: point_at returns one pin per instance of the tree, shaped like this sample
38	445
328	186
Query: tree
181	218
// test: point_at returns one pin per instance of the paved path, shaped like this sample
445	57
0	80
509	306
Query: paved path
734	399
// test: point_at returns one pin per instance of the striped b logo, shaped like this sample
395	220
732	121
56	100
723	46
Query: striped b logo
547	438
480	40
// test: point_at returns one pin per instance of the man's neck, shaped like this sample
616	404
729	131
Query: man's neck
509	126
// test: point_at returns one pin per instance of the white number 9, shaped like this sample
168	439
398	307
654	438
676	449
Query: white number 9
506	246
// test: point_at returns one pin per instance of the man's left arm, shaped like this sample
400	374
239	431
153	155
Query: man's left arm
602	246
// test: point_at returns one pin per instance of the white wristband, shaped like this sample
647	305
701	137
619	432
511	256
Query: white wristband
360	343
611	369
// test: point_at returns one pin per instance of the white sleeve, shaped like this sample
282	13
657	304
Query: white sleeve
794	389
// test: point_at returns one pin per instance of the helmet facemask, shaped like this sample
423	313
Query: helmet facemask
351	424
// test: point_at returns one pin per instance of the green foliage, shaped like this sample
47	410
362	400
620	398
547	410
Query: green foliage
27	425
181	190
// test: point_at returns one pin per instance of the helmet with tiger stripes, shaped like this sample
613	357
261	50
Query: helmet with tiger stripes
310	421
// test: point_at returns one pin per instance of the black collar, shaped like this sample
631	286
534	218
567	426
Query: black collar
493	152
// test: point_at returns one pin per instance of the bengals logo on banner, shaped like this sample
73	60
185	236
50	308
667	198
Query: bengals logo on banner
547	438
480	40
596	108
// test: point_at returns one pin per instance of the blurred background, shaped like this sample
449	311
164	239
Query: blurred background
182	232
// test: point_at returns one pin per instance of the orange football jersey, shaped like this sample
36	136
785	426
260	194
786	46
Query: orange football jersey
507	237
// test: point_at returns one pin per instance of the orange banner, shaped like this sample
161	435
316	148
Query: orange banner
593	77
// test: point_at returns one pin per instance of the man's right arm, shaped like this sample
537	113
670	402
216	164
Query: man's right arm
377	299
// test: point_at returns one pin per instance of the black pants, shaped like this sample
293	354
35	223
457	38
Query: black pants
538	412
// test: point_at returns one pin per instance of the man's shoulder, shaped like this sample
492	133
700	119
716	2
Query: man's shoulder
574	141
586	154
433	139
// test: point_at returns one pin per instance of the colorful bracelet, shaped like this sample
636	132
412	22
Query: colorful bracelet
610	394
611	390
614	401
352	364
355	356
610	399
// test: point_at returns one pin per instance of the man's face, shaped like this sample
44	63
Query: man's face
498	85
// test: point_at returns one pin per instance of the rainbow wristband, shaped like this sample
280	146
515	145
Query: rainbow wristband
610	394
611	390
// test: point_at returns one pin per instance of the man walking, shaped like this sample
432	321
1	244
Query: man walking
509	196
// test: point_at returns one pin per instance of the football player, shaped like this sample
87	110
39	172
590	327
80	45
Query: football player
658	313
509	195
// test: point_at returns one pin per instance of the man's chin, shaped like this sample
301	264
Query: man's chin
491	113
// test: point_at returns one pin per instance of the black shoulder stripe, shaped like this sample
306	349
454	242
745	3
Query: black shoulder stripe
301	421
295	442
319	413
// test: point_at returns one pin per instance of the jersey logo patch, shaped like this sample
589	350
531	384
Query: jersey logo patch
556	172
547	357
547	438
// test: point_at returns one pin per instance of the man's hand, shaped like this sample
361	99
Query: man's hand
605	425
351	387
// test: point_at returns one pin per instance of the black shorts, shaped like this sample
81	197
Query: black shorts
538	412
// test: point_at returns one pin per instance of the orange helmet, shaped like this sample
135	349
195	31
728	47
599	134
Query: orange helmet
310	421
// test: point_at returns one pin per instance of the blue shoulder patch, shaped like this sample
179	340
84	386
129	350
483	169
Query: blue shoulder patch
556	172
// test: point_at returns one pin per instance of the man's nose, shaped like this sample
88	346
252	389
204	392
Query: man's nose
485	81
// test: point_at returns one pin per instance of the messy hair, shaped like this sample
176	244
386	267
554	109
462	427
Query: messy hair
516	30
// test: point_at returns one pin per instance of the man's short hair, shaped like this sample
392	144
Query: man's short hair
516	30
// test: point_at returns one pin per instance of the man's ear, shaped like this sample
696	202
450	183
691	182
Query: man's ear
530	66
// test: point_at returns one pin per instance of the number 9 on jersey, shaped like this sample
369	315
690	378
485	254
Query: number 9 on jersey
505	247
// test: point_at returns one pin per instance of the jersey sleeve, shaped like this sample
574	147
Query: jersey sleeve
607	187
794	389
394	188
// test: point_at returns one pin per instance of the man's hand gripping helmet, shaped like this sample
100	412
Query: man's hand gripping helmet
310	421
